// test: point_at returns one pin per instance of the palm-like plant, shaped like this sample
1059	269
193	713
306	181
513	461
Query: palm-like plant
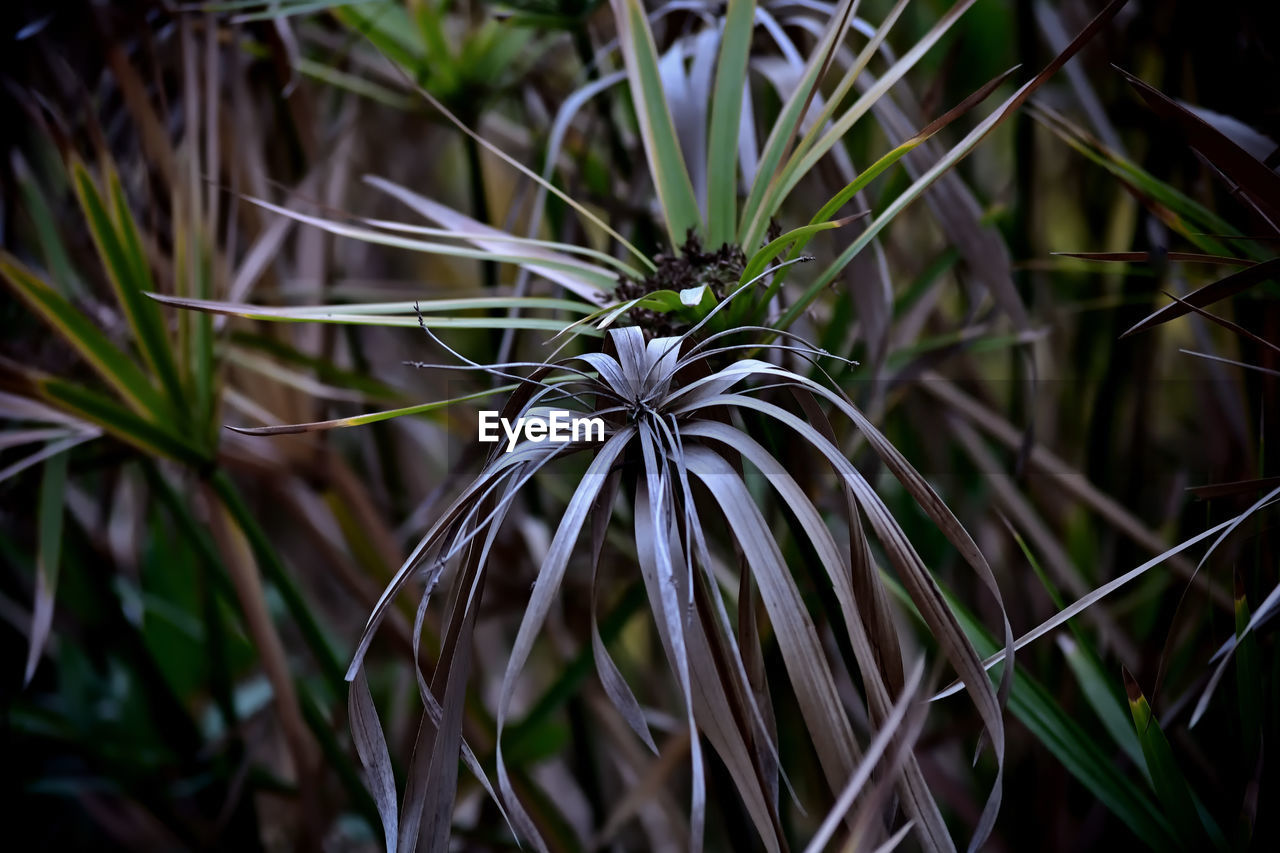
697	374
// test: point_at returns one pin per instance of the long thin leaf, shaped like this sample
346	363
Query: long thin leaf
952	157
794	112
582	278
371	417
1171	786
460	226
726	118
1209	294
1069	743
356	317
53	485
371	747
546	586
109	361
801	652
889	729
670	175
1092	598
919	802
1251	178
120	249
806	158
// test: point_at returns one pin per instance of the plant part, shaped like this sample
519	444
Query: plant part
671	441
1217	243
131	420
686	421
717	618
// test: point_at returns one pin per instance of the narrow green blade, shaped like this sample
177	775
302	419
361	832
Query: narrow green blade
726	114
120	248
670	175
109	361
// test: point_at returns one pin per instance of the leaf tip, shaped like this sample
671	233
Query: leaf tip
1131	688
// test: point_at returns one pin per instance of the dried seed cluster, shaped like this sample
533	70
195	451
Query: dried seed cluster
719	270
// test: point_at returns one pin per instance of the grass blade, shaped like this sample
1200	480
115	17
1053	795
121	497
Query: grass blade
958	152
1209	294
1249	176
371	747
463	227
806	157
371	417
670	175
53	485
897	721
1092	598
548	582
801	652
116	237
51	243
1076	748
1171	786
1102	698
1248	675
586	280
785	127
354	315
726	113
112	364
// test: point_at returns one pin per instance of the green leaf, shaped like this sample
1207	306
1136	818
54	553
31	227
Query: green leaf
1102	698
389	29
948	161
354	84
662	148
490	54
836	202
372	417
51	245
1084	663
1192	220
808	152
1075	748
195	333
1248	676
120	249
438	59
373	309
1171	786
108	360
726	115
693	300
52	488
768	252
275	10
88	405
354	316
799	237
752	227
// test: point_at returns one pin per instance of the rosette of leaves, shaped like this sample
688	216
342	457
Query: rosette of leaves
689	371
676	447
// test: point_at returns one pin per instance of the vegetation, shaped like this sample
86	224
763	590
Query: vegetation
935	344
